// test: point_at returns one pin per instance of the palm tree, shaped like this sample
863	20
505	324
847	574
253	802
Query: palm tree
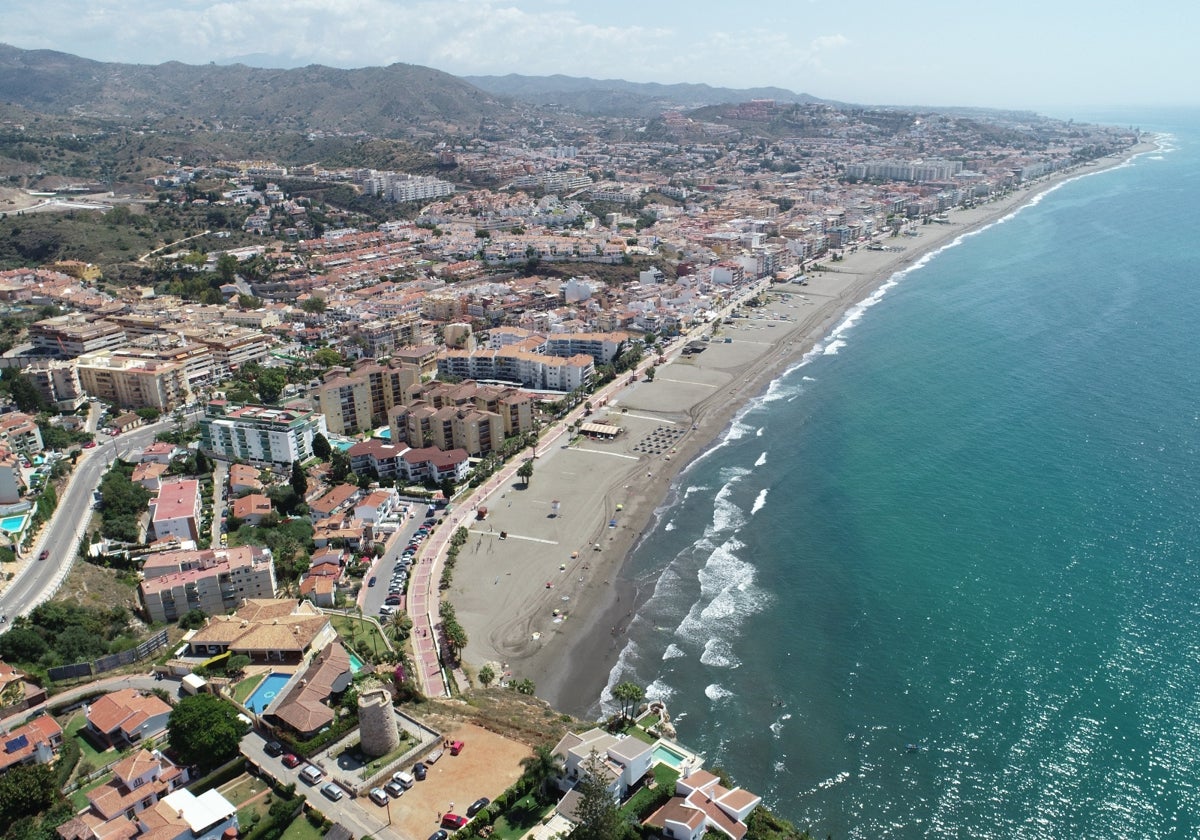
630	694
541	768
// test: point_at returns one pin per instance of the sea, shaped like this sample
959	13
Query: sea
942	579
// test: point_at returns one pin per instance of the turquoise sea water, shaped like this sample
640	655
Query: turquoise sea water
970	522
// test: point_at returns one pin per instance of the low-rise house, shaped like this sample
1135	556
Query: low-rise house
266	630
20	433
434	465
127	422
125	717
624	758
349	532
336	500
15	689
149	475
159	452
377	506
702	803
139	782
175	512
251	508
243	478
37	742
305	707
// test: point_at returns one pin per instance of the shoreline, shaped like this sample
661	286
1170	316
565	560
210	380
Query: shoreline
566	635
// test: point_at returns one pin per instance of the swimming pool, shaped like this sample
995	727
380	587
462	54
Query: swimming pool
356	664
12	524
266	692
665	755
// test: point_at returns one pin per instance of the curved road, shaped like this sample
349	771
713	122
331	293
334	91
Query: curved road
38	580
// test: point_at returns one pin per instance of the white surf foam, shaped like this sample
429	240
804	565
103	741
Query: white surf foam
762	459
673	651
716	692
759	432
718	653
759	502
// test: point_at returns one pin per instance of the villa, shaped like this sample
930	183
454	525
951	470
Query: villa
625	759
702	803
268	630
124	717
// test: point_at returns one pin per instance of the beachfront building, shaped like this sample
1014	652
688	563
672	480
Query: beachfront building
175	511
260	434
214	581
132	382
624	759
519	366
433	465
701	803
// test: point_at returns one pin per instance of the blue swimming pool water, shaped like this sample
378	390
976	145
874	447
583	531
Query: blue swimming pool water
666	755
356	664
266	692
12	524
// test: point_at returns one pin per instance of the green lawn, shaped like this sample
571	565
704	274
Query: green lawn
523	815
79	798
351	628
376	764
246	687
302	829
87	751
640	803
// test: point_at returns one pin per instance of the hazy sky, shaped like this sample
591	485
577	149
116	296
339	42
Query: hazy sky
1060	57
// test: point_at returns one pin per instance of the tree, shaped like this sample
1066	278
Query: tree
193	619
270	383
203	465
630	694
321	447
339	465
327	357
313	305
487	675
25	791
22	644
448	488
205	731
299	480
227	267
596	810
542	768
525	471
25	394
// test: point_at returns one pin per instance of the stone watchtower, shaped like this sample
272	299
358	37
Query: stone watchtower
377	721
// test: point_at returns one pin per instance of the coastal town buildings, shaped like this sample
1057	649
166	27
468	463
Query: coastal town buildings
259	434
214	581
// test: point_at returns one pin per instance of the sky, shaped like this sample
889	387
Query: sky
1059	57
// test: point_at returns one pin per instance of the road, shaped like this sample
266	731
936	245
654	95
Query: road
38	581
371	598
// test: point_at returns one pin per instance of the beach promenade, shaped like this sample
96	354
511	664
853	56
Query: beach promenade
547	602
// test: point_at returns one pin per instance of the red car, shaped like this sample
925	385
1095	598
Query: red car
290	760
91	444
454	821
45	554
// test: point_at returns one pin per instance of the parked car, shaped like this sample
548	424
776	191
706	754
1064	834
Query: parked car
395	789
332	791
456	747
405	780
273	749
419	771
45	554
439	835
371	582
290	760
477	806
312	774
91	444
454	821
392	600
378	796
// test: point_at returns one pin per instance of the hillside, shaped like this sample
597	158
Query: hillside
398	100
616	97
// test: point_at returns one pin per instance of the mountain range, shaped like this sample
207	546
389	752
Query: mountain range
397	100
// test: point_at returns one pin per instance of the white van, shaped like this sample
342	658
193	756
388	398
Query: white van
312	774
405	780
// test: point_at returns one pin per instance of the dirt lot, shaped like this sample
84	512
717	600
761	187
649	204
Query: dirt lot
488	764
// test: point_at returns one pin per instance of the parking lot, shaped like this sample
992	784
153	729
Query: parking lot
488	764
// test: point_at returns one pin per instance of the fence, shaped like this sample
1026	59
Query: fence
108	663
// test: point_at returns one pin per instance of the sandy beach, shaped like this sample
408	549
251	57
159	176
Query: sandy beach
543	603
